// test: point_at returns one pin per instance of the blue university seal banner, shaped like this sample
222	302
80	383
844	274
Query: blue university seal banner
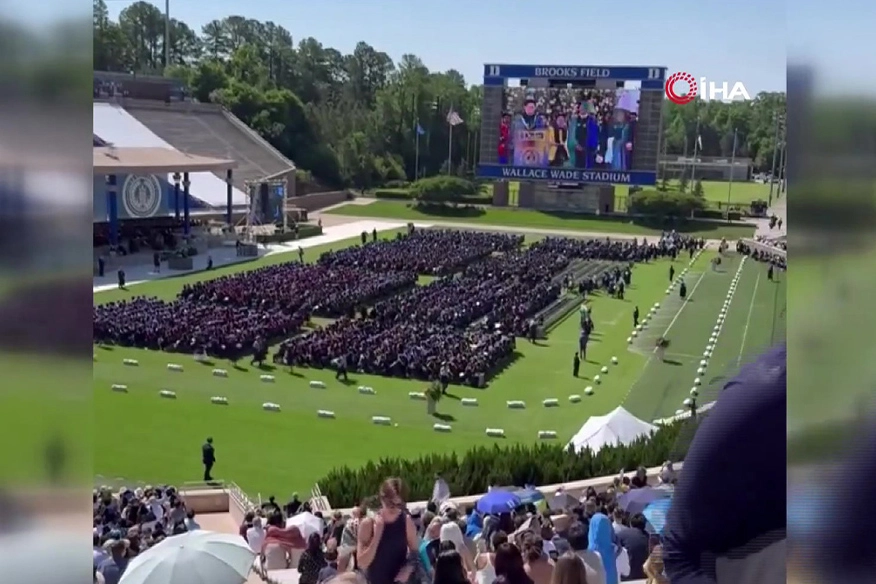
141	196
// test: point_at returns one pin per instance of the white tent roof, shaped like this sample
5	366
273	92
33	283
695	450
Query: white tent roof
616	427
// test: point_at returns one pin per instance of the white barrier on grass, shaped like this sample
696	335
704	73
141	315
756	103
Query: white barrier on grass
575	398
219	400
271	407
220	373
317	385
551	402
130	362
267	378
120	388
367	390
381	420
175	367
325	414
516	404
547	435
167	393
417	395
588	390
469	401
495	432
441	428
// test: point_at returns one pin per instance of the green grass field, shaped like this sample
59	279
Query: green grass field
526	218
153	439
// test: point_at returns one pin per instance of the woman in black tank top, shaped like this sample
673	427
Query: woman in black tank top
386	540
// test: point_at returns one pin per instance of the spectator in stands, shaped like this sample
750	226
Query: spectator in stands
245	525
537	564
640	480
331	568
312	560
113	568
449	569
509	565
387	543
190	523
430	544
255	535
569	569
452	533
347	543
293	505
654	568
635	540
282	546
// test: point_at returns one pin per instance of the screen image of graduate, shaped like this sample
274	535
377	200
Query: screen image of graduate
596	127
504	139
558	138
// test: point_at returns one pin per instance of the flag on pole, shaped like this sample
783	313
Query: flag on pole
420	130
453	118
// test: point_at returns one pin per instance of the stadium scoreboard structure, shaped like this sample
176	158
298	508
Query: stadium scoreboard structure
571	127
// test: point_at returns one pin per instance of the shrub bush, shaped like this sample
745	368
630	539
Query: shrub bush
443	189
397	184
472	472
716	214
665	204
394	194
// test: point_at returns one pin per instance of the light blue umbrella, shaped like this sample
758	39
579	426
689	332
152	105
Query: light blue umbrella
655	514
497	501
529	495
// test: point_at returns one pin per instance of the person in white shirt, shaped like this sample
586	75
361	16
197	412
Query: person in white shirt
190	523
255	535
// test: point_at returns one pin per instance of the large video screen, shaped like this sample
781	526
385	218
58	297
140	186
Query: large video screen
571	124
585	129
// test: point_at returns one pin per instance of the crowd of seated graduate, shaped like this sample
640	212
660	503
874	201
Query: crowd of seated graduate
763	255
184	326
406	349
620	250
329	291
424	251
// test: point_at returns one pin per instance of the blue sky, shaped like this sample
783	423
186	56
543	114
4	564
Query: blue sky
746	40
723	41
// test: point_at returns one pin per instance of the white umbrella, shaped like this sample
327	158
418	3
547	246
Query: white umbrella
195	557
307	523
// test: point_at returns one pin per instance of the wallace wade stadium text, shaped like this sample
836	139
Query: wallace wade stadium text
560	175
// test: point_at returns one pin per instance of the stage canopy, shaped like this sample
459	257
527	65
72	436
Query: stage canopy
616	427
140	161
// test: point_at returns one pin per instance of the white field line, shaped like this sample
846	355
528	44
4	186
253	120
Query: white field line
748	320
671	323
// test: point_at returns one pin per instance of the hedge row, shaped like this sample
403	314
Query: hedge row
717	214
472	472
304	230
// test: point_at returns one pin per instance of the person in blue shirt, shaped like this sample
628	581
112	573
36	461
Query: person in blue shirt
113	568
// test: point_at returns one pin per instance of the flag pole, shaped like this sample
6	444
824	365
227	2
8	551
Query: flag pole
450	143
697	140
732	172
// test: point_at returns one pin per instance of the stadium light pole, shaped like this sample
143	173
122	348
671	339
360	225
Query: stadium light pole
166	34
775	159
732	172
